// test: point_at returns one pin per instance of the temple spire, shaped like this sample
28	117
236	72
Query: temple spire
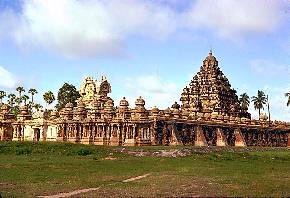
210	91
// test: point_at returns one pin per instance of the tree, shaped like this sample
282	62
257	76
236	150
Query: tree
2	95
24	98
67	94
37	106
259	101
244	101
11	99
288	101
15	110
48	97
18	100
32	91
20	90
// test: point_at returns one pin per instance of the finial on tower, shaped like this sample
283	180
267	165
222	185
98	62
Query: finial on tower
210	52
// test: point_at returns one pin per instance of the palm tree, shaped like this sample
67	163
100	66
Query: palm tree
37	106
244	101
288	95
259	101
2	95
11	99
20	90
48	97
18	101
32	91
24	98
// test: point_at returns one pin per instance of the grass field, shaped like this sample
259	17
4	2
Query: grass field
31	169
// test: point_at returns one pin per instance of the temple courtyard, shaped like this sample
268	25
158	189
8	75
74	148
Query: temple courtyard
74	170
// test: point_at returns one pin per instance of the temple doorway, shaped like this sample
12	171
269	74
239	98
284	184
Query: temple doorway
36	134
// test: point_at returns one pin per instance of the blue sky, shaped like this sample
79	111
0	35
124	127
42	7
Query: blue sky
145	47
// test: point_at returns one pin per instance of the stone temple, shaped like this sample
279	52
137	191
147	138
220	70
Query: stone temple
209	114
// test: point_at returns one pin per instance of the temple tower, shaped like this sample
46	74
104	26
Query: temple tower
210	92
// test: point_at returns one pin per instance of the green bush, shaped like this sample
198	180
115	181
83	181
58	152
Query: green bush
23	151
84	151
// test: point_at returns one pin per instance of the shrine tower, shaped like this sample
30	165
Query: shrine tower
210	92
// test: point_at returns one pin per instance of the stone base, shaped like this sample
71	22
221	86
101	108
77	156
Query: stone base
99	141
221	140
87	140
129	142
288	143
144	142
200	143
16	139
240	141
51	139
106	141
200	139
174	143
73	140
60	139
114	141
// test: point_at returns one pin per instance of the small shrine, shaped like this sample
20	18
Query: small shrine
92	90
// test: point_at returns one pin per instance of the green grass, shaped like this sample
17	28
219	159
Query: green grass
30	169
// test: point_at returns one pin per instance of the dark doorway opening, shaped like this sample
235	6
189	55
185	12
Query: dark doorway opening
36	134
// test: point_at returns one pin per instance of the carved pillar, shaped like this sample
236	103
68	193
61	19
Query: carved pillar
173	139
1	133
141	133
127	132
81	132
19	132
120	135
104	131
14	135
154	133
22	133
239	139
221	140
95	130
200	139
164	135
134	131
148	133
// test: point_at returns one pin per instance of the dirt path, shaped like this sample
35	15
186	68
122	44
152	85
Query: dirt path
69	194
135	178
76	192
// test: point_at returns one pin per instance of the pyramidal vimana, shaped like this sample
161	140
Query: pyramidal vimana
210	113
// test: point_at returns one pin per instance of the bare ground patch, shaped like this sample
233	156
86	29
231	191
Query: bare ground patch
183	152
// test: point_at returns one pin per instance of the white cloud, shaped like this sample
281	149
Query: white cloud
235	18
88	28
7	79
155	91
266	67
